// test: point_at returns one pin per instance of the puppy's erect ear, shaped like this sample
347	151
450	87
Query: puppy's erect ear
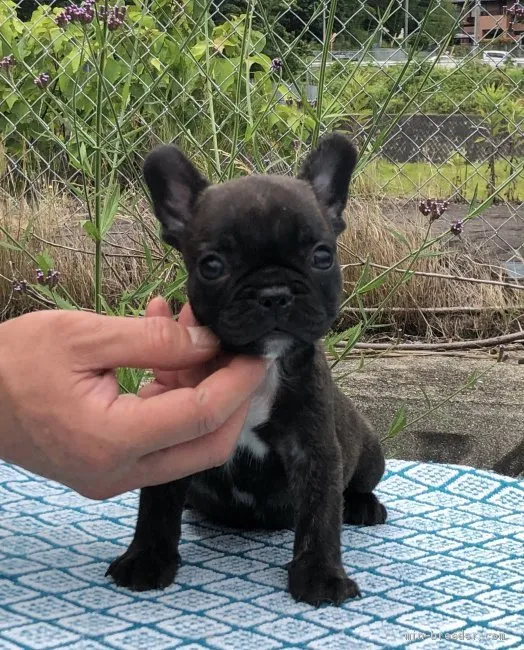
175	184
328	169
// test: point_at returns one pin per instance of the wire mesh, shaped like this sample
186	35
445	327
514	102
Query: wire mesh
432	92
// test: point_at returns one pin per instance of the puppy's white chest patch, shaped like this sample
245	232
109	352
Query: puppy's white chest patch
259	412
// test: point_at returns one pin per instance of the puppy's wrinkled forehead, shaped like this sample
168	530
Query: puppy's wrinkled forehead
258	211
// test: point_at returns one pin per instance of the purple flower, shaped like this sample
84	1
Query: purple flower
516	11
7	62
20	287
52	279
63	19
114	18
276	65
433	208
457	227
84	14
42	80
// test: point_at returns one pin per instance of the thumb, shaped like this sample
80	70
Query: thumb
153	342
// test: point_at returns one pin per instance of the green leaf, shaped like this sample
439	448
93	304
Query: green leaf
472	380
224	72
399	236
399	422
109	211
54	296
147	253
11	247
105	306
11	100
262	60
71	63
350	336
84	160
156	63
91	230
146	289
112	70
373	284
258	41
130	379
44	261
198	50
176	289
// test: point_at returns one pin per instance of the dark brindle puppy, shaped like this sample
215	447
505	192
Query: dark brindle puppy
263	275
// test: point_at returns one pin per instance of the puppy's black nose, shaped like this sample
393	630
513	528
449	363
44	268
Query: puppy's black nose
276	299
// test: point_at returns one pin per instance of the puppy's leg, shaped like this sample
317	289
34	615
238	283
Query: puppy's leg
361	506
316	574
152	559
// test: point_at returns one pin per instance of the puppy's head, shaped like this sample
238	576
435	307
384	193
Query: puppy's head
260	250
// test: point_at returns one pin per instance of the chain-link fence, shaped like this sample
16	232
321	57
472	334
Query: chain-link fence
432	91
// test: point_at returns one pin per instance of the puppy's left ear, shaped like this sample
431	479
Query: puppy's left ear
175	185
328	169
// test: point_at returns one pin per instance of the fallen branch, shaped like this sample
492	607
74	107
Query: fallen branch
440	276
427	310
455	345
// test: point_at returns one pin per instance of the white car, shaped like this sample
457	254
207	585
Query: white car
495	58
443	61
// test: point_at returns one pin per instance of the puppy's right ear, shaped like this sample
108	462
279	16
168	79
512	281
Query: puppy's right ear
175	185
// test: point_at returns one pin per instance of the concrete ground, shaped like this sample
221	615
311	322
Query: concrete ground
482	426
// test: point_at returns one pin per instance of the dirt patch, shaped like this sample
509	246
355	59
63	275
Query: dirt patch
481	427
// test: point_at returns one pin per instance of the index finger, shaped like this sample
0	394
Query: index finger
100	342
180	415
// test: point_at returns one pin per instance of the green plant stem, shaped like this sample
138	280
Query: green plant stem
440	404
323	62
236	118
211	103
98	167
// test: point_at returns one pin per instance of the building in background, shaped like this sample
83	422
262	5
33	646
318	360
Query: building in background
490	20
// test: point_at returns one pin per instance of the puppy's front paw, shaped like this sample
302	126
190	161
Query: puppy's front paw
315	583
142	569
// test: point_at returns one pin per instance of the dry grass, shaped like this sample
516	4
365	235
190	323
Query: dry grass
54	225
371	234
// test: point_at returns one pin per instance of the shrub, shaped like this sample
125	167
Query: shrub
66	79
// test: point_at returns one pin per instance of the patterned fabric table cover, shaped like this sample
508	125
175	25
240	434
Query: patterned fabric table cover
445	572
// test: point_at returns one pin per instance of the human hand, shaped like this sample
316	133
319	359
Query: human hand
187	377
63	416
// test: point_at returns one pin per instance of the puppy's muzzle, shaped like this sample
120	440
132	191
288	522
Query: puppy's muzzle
276	300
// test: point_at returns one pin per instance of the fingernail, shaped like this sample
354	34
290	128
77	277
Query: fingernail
201	337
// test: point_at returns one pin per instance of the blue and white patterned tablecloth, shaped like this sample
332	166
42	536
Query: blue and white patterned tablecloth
445	572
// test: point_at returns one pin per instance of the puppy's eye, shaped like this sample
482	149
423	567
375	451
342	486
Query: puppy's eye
211	267
322	258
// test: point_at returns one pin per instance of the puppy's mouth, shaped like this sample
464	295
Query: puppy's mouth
251	334
272	345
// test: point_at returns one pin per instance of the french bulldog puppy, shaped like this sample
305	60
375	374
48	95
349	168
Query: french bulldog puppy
263	275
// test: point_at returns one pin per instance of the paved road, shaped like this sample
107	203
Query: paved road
482	427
